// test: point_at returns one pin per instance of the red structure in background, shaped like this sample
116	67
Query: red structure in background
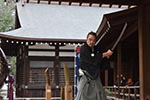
10	85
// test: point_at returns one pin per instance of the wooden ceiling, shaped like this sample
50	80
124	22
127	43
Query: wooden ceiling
113	23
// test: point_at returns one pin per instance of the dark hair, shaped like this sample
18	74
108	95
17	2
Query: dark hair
91	33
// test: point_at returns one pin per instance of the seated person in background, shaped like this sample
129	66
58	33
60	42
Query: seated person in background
137	83
123	80
130	82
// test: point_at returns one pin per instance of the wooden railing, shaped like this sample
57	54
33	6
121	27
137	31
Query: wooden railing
124	92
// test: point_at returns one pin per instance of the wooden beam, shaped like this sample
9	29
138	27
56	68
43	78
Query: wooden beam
130	30
27	1
108	2
38	1
49	1
118	2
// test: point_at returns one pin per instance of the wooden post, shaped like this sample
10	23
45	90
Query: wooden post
119	64
62	93
68	87
47	86
135	93
124	93
115	92
144	48
106	77
129	93
68	92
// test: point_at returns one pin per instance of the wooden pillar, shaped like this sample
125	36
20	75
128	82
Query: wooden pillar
119	64
22	70
26	70
56	65
17	74
26	64
106	77
144	48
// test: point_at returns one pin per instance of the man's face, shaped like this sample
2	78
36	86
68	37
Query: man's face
91	40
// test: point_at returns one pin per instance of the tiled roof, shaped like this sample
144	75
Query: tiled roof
57	21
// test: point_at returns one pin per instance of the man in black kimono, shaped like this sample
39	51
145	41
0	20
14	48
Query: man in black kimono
90	87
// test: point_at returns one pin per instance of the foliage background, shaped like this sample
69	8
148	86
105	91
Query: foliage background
7	15
7	23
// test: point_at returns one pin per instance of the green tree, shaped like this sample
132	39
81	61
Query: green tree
6	16
12	61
